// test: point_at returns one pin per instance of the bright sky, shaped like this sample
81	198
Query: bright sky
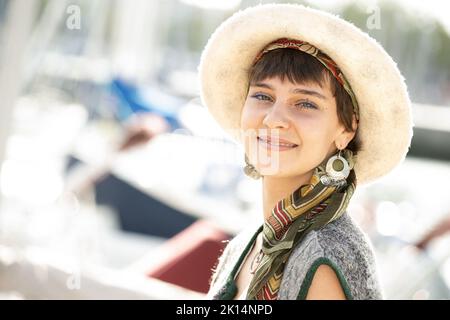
439	9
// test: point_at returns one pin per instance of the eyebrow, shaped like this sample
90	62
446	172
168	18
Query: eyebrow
297	90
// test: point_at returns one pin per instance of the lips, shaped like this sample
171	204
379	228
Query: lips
276	143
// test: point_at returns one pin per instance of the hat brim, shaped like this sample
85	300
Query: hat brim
385	126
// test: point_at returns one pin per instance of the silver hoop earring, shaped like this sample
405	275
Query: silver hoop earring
250	170
336	171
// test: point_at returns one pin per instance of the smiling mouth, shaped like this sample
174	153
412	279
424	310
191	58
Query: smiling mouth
276	144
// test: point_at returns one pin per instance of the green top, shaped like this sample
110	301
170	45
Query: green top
231	288
340	245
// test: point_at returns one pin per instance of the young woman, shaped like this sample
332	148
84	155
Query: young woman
319	107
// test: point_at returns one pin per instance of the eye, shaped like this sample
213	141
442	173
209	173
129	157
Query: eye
262	97
306	105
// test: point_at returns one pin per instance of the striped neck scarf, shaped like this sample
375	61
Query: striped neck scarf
308	208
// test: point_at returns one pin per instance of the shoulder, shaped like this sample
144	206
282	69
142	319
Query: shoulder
344	248
325	285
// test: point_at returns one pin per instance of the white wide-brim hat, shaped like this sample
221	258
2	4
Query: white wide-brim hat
385	125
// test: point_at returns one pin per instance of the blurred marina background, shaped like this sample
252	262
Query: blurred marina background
115	183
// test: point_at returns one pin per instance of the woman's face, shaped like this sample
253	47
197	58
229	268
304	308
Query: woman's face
289	128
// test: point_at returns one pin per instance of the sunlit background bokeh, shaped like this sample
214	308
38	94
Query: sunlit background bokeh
116	183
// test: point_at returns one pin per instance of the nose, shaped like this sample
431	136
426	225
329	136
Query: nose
276	117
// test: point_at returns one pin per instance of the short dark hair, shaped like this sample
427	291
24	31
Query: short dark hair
300	67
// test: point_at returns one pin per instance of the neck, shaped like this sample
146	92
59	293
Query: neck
276	189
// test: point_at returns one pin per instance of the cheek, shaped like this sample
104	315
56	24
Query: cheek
316	132
307	126
250	117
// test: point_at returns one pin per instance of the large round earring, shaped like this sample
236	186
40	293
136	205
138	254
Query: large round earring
337	170
250	170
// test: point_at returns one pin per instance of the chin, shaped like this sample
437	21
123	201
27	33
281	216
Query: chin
275	173
284	172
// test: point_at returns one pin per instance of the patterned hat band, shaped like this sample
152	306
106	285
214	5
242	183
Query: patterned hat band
319	55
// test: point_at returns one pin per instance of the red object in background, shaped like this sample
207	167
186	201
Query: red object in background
190	256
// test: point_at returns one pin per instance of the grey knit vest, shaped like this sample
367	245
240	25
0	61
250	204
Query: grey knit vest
341	244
